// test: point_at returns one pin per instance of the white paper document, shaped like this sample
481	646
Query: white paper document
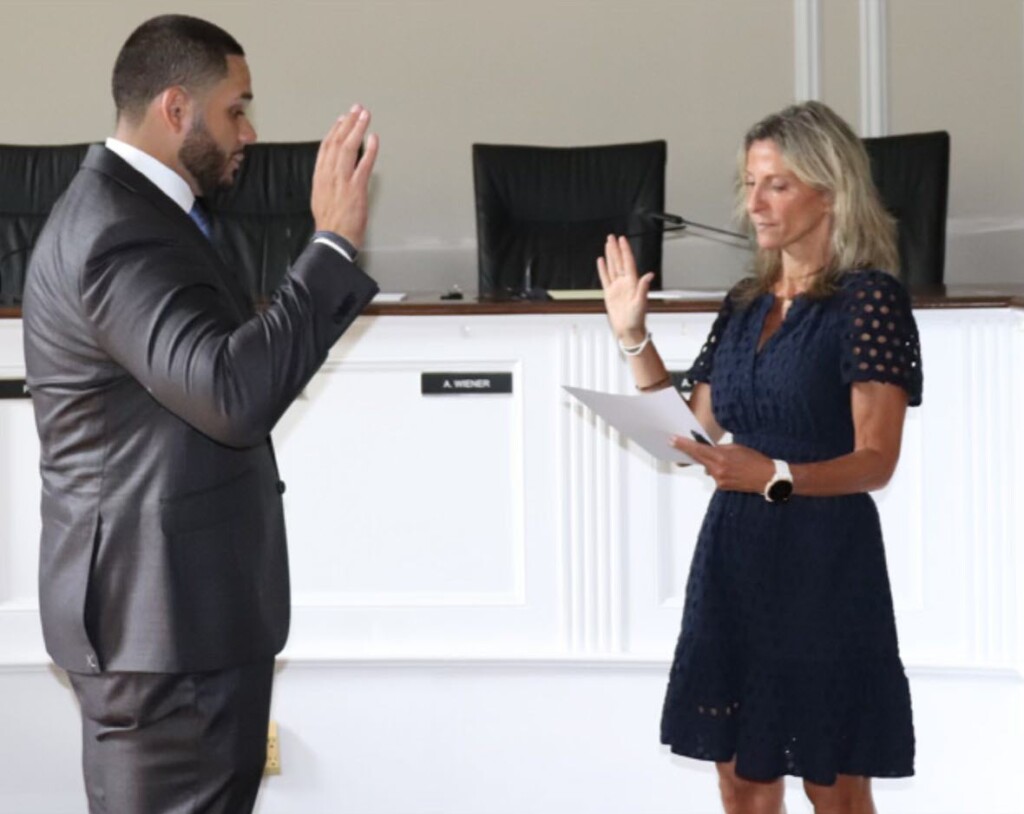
387	296
649	419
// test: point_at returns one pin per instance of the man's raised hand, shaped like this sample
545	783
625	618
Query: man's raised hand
341	178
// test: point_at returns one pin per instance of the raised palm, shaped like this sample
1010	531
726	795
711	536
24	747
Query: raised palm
625	291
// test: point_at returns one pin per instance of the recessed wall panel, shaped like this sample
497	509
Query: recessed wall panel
396	494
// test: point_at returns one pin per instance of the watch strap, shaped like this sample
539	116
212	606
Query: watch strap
782	473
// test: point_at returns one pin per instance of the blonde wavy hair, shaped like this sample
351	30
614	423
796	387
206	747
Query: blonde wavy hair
823	151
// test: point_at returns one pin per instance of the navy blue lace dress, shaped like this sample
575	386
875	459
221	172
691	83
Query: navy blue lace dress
788	659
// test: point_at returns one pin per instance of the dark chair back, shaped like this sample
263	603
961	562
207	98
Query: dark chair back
549	209
912	174
263	221
32	178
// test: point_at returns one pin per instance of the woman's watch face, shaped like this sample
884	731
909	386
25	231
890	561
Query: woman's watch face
780	491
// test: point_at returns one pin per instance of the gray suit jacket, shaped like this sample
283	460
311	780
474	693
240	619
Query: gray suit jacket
155	388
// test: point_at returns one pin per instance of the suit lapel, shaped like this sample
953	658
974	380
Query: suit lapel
102	160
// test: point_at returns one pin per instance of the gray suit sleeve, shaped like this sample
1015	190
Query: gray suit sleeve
156	309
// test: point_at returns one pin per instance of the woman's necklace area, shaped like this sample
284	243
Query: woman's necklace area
786	299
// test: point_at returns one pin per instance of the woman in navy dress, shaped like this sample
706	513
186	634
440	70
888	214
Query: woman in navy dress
787	663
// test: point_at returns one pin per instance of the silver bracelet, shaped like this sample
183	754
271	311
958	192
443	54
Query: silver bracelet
635	350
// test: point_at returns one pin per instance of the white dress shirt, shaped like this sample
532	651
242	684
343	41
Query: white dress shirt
177	189
163	177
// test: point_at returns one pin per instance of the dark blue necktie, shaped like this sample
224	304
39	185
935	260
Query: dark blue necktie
202	219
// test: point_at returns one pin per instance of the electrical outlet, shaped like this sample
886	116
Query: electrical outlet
273	764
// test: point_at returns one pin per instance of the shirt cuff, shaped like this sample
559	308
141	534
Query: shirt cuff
338	243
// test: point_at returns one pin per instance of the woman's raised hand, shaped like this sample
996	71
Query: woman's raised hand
625	292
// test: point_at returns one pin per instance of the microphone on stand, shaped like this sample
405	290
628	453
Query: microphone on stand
666	217
677	223
529	291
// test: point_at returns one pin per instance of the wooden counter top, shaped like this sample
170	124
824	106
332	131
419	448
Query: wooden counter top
953	296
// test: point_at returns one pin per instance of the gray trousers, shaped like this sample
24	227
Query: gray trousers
168	743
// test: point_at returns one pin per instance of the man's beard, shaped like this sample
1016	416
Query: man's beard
204	160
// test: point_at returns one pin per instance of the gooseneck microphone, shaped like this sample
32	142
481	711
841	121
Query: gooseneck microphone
677	223
667	217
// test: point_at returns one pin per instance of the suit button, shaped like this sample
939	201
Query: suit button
280	487
343	310
90	660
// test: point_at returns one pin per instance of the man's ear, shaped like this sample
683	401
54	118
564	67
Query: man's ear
176	107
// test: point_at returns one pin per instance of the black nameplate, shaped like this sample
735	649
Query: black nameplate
679	381
13	389
464	384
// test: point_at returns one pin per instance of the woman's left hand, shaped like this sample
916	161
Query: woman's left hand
734	468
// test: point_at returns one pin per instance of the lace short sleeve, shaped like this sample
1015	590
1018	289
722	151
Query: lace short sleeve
880	340
701	369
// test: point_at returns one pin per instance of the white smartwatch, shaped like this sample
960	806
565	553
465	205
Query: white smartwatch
780	487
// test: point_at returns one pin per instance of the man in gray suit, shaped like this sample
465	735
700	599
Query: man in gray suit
163	568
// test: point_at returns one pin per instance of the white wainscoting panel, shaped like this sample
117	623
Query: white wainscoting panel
20	487
426	524
949	514
490	586
666	507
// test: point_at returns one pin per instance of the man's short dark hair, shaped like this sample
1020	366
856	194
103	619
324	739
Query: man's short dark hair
169	50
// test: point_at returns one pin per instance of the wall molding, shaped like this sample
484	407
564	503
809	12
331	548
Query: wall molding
990	529
321	600
908	491
807	49
983	225
592	519
469	597
539	663
874	102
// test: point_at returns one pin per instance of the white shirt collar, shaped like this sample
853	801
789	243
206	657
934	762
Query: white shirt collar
167	180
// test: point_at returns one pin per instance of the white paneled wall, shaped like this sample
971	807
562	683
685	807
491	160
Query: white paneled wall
487	588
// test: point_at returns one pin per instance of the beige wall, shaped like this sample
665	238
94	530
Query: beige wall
442	74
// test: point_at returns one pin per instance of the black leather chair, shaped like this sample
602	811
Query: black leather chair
260	224
912	174
32	178
263	221
549	209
